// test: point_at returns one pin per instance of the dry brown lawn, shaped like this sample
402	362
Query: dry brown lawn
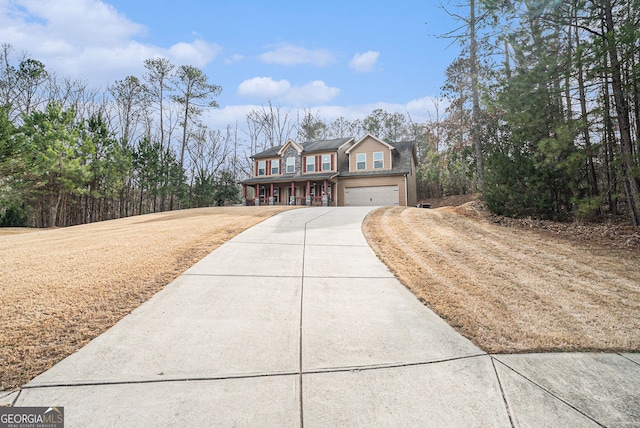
63	287
510	289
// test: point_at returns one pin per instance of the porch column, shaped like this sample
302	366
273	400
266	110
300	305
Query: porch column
257	200
292	197
308	193
325	195
244	195
271	198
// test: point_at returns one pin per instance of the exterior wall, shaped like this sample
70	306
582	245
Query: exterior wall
370	146
373	181
268	163
318	162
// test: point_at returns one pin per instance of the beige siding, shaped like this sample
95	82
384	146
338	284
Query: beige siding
369	146
373	181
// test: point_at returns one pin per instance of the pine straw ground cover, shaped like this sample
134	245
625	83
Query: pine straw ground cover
512	289
63	287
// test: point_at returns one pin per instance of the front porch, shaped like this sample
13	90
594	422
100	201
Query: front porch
309	192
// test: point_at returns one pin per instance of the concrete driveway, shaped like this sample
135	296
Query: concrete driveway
295	322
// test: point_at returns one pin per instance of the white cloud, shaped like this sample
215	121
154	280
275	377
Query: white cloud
199	53
263	87
420	110
313	92
286	54
364	62
89	22
89	39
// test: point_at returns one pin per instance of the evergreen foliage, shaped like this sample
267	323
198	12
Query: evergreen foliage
540	113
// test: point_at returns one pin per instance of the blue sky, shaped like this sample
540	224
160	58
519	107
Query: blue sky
337	58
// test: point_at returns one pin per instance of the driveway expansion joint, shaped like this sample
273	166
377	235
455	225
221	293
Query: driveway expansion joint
342	369
502	394
628	359
220	275
546	391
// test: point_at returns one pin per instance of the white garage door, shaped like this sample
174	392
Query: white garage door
371	196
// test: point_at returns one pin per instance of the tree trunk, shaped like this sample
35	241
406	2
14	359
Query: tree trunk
475	127
622	112
592	178
609	144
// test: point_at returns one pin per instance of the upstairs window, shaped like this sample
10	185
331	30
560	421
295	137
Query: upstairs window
262	167
311	164
326	162
378	160
361	161
275	167
291	165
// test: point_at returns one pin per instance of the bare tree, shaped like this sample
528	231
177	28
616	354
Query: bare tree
268	127
194	93
132	101
158	76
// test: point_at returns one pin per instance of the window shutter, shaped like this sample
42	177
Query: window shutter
332	166
304	164
256	171
318	163
268	167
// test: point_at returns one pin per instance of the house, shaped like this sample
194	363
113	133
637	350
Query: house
337	172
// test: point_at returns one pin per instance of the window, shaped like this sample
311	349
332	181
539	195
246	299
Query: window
275	167
361	161
326	162
262	167
311	164
378	160
291	165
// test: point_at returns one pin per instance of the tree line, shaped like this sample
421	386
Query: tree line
547	95
539	114
70	154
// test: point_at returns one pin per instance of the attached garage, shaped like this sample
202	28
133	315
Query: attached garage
371	196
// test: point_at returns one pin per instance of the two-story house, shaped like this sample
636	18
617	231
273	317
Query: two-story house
337	172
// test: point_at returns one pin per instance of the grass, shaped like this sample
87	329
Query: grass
506	289
511	290
63	287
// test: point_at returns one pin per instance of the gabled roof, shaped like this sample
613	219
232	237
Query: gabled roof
389	146
308	147
269	153
325	145
290	142
402	154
